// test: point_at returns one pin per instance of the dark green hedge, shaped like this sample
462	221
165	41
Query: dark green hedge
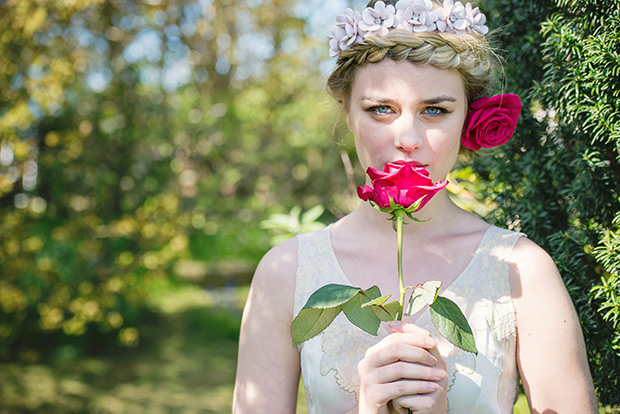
558	178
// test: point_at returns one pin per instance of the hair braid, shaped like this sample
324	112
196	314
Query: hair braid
469	54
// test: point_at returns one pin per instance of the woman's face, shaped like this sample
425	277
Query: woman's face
400	111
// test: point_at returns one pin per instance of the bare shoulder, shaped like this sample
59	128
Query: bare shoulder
275	274
551	351
268	364
280	262
537	286
539	296
532	266
526	250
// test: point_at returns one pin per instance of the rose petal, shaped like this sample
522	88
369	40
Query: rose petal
402	183
491	121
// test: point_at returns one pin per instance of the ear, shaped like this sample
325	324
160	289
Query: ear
465	123
347	115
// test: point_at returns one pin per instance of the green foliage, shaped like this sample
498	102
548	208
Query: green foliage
185	362
326	303
451	323
557	180
367	308
286	226
137	134
422	296
360	315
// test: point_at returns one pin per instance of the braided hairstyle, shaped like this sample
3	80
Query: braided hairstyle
470	54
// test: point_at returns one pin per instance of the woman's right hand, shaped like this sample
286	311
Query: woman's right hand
403	371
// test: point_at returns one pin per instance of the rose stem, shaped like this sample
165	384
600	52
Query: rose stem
401	283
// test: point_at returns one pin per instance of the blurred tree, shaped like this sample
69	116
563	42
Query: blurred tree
135	133
558	179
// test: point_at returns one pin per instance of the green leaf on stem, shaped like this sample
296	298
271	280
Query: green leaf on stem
373	292
387	312
362	317
422	295
452	324
331	295
377	302
312	321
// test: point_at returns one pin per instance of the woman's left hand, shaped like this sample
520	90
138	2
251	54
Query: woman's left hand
431	403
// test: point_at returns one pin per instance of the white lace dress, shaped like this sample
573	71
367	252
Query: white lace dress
486	383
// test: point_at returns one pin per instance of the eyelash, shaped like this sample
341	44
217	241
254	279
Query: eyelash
441	111
375	109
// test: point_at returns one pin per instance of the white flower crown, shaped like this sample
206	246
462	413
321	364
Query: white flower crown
412	15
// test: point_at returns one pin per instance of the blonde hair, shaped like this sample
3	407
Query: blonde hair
470	54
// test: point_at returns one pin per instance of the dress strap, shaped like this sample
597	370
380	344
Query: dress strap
315	265
496	267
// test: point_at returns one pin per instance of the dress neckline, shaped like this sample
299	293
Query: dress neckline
481	246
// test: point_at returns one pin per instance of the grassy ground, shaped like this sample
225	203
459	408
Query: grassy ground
185	364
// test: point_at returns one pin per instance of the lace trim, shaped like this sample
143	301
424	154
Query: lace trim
342	343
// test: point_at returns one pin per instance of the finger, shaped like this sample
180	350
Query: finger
423	403
401	347
404	389
398	390
441	364
407	371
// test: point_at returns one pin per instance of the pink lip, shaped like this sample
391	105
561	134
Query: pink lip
416	163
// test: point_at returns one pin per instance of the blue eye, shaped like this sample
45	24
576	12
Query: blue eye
381	109
434	110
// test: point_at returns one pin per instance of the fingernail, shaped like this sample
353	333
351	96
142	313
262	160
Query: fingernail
437	374
431	342
432	386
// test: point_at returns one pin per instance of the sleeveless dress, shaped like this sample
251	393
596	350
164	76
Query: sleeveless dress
486	383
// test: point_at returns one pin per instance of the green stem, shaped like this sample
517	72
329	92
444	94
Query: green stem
400	218
401	283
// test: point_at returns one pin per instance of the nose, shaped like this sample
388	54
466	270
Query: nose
408	135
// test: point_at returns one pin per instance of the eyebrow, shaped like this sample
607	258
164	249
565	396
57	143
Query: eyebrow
370	98
439	99
430	101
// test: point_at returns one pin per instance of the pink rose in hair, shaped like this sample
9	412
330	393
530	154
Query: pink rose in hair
491	121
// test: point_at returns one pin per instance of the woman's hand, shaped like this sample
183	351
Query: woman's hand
403	371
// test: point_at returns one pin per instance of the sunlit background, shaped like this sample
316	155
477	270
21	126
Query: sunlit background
147	148
151	151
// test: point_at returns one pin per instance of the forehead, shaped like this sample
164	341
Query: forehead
405	80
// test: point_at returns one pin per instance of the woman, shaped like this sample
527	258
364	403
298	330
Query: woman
407	73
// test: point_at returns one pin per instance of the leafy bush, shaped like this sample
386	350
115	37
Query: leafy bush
558	180
136	134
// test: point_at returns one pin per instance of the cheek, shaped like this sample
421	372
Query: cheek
445	140
365	145
371	148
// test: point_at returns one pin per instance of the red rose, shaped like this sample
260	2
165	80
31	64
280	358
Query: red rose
491	121
399	185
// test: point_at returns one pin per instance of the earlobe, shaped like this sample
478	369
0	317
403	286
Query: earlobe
347	116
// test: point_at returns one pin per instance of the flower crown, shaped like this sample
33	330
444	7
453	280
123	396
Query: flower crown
411	15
